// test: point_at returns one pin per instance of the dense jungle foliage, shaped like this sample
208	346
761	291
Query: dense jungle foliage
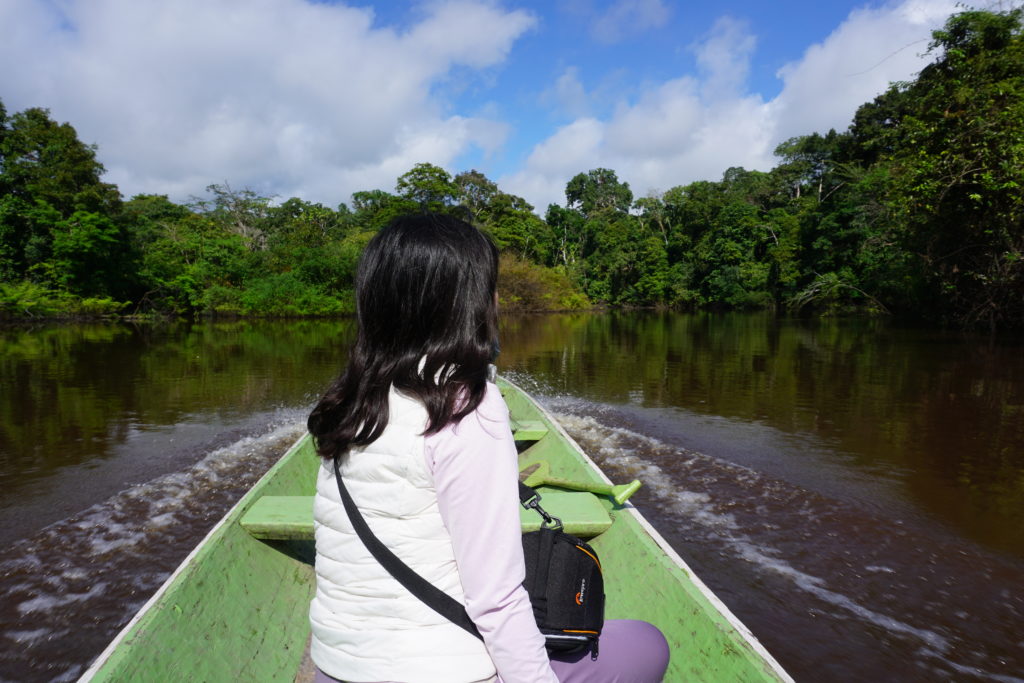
916	210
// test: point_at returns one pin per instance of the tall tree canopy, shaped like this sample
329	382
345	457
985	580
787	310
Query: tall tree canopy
598	191
958	167
429	186
54	208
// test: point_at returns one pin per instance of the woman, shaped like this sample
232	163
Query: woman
427	455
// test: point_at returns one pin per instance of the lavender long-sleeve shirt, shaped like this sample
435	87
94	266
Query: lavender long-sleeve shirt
475	471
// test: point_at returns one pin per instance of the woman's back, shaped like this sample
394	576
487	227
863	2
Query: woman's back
366	626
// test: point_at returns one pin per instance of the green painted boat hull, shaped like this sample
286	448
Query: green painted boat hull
237	608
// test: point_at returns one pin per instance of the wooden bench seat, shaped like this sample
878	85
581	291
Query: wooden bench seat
291	517
528	430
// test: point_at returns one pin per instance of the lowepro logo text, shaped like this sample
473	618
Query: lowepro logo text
583	591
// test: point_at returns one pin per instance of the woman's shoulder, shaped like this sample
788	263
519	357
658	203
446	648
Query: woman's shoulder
483	430
493	401
493	404
490	416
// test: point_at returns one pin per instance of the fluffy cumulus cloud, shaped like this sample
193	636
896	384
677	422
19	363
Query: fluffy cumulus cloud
871	49
289	97
695	127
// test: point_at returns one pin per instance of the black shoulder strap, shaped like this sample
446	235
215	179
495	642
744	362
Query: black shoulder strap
435	598
526	493
530	499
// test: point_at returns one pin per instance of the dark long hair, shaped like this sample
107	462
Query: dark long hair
425	293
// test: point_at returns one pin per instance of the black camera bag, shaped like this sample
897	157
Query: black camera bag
565	584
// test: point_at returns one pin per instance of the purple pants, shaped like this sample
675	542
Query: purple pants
631	652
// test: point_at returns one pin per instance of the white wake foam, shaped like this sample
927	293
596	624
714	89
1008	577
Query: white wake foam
618	447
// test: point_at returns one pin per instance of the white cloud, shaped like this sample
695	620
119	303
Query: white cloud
693	128
858	61
568	94
724	58
284	96
295	97
627	18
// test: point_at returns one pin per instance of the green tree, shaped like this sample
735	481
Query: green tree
26	237
724	240
429	186
242	212
808	162
300	223
654	216
570	234
91	256
3	135
373	209
46	175
44	160
513	225
958	168
598	191
476	192
185	257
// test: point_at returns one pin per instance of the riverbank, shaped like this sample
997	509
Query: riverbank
524	288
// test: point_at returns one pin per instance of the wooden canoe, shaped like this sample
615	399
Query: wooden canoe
237	607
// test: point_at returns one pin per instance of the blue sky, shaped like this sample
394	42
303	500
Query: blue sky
571	35
320	99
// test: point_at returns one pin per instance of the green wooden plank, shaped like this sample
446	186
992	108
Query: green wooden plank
280	518
582	514
291	517
529	430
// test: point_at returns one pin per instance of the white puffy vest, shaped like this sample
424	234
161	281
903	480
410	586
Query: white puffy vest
366	625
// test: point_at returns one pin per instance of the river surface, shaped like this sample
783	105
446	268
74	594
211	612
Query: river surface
851	489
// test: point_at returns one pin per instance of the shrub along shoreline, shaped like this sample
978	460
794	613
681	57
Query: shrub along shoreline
523	287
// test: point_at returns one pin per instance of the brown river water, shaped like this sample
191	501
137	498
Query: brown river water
851	489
